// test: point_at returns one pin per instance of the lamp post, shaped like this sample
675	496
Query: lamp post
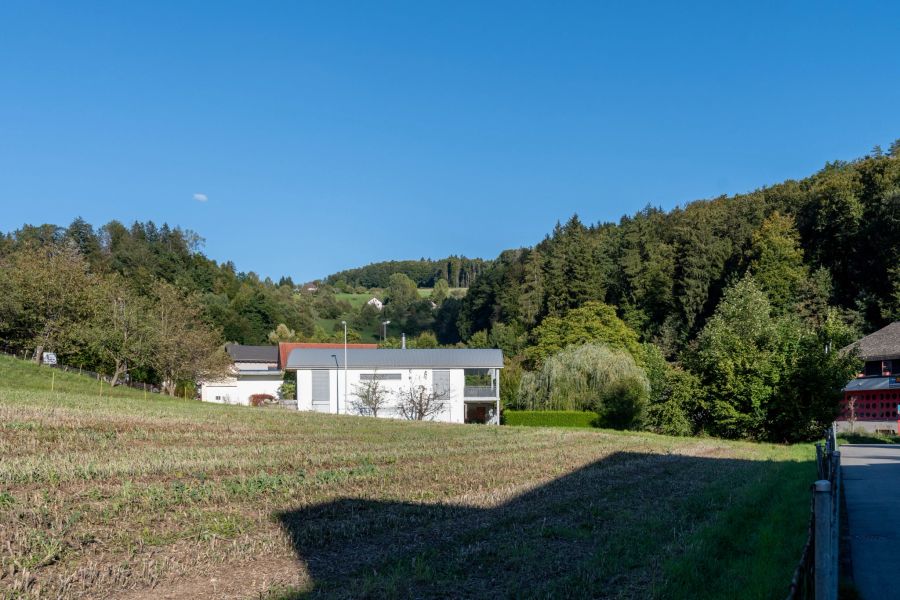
384	325
344	323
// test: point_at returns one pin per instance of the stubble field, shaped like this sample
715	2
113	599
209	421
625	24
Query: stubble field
118	496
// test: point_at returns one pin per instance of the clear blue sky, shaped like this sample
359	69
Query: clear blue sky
333	134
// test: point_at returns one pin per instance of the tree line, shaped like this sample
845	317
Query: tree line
724	316
738	303
457	271
51	300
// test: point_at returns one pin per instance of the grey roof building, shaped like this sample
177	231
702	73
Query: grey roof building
257	354
884	344
442	358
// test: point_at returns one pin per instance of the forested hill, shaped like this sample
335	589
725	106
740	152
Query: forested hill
240	306
458	271
830	239
718	317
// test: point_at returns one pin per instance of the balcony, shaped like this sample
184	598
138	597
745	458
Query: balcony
480	391
482	384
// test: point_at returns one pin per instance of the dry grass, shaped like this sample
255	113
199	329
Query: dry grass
112	497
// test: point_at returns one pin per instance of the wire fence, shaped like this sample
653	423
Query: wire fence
816	575
126	381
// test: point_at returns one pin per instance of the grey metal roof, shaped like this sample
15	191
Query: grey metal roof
865	384
884	344
241	353
382	358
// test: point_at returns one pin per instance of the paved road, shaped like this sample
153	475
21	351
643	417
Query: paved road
872	488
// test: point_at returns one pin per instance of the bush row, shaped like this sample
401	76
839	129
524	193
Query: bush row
550	418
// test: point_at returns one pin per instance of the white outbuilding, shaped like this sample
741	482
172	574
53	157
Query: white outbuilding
255	370
464	382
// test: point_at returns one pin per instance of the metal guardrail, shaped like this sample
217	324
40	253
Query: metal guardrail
816	575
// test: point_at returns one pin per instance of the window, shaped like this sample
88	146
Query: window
321	387
380	377
441	383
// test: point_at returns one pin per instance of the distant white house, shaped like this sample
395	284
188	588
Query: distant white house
378	304
468	380
255	370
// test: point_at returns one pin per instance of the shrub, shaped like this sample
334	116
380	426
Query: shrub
624	403
260	399
288	390
550	418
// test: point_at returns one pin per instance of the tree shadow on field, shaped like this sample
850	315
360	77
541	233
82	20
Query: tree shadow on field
599	531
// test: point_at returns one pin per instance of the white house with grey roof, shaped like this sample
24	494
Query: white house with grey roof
467	380
254	370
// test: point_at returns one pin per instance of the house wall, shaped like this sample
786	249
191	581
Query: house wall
220	392
255	366
239	389
454	410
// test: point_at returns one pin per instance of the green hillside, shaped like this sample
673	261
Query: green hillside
17	374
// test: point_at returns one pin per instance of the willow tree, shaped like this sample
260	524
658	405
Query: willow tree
589	377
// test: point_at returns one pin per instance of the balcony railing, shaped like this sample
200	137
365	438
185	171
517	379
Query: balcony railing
480	391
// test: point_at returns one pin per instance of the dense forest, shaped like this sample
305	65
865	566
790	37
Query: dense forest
830	239
746	298
724	316
458	271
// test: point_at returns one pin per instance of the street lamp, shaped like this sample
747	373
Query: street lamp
344	323
384	325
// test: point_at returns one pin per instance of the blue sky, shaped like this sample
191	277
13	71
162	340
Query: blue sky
330	135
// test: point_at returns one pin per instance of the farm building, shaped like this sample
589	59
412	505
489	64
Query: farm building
255	371
464	384
872	399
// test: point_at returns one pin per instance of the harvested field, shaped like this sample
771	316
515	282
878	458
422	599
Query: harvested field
131	498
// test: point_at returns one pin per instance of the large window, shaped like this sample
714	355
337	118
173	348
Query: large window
321	387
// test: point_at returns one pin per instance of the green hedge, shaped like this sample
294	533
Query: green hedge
550	418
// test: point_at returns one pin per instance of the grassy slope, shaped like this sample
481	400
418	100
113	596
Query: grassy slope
100	495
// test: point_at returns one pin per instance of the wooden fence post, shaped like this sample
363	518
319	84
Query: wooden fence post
836	518
826	583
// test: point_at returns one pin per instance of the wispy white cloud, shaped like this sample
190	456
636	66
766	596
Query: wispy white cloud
201	197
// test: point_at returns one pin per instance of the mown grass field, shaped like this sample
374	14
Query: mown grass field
117	496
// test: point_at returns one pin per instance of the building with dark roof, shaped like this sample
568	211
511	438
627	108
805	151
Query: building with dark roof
873	398
254	371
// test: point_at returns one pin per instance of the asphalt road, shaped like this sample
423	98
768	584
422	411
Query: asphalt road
871	476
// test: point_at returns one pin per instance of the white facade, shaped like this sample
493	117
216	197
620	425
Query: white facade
238	389
338	397
378	304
